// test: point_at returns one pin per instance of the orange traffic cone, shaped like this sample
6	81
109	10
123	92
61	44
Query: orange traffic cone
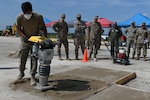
85	58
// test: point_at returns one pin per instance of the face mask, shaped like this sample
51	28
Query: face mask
27	16
79	18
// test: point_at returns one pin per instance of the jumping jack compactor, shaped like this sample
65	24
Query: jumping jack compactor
42	50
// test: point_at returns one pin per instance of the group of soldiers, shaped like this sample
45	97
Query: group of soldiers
92	32
137	38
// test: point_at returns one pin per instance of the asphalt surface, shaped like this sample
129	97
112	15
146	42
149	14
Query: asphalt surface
9	71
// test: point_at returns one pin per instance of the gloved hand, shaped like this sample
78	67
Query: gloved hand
46	36
25	39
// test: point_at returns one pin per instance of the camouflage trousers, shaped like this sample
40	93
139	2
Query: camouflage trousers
131	44
66	45
78	43
141	46
25	48
94	46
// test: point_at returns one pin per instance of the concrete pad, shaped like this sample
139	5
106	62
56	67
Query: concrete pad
102	74
65	87
76	84
119	92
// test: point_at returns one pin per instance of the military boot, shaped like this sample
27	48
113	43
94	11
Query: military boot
133	57
77	58
59	55
128	55
32	81
20	76
144	58
67	57
138	57
59	58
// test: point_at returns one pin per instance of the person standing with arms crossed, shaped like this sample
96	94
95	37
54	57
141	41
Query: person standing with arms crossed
142	40
94	32
61	28
131	35
79	39
114	34
28	24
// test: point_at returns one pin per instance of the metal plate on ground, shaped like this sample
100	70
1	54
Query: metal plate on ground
118	92
102	74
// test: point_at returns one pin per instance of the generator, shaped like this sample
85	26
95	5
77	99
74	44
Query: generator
121	57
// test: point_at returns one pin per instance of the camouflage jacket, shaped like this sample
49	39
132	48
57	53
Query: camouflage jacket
141	35
94	30
79	27
61	28
131	32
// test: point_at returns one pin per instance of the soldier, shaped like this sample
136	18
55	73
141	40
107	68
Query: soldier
28	24
131	34
61	28
114	34
94	32
148	44
142	40
79	39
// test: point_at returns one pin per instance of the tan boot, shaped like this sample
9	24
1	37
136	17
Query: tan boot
138	57
133	57
144	58
59	58
21	75
68	58
32	81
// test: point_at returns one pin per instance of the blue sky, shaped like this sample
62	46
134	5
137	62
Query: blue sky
114	10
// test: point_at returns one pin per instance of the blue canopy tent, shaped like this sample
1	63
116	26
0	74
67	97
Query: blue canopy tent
138	18
46	20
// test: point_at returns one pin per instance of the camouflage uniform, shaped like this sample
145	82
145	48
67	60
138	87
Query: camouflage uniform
142	40
61	28
114	34
131	34
79	39
148	44
94	32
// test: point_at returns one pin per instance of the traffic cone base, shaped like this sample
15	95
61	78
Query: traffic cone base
85	57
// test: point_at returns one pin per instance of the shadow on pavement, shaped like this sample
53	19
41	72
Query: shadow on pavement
71	85
8	68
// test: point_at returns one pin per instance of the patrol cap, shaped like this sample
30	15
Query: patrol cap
143	24
133	23
63	16
96	17
78	15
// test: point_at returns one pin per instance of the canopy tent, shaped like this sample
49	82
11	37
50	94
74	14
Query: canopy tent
51	23
104	22
138	19
70	23
46	20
